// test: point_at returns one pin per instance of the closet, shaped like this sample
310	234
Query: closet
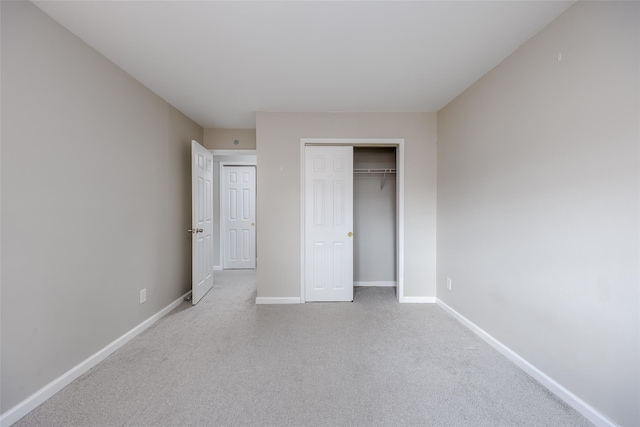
350	219
374	216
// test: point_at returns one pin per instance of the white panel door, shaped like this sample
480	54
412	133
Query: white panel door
328	223
202	221
239	217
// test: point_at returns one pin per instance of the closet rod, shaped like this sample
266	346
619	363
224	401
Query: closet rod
383	171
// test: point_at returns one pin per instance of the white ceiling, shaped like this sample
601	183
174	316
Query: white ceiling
220	62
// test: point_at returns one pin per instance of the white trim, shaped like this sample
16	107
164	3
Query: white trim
277	300
302	221
217	268
568	397
388	142
233	152
251	163
418	300
400	216
398	143
39	397
380	284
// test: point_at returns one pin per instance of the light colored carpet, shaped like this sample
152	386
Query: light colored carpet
373	362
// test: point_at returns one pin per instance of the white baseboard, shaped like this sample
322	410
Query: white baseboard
384	284
39	397
571	399
277	300
418	300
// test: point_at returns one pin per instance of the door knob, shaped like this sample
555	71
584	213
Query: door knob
349	234
192	231
199	230
253	224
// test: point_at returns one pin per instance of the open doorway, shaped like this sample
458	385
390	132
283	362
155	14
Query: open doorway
244	203
374	216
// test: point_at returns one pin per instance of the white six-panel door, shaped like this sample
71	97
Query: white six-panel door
202	221
239	217
328	223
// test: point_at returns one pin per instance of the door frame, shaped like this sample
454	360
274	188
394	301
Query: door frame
232	158
255	207
398	143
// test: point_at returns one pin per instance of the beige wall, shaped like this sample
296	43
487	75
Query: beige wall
278	150
222	139
95	201
538	204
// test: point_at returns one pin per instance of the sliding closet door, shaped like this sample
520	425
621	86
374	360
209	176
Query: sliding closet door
328	223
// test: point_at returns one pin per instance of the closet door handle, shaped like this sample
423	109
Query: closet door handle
349	234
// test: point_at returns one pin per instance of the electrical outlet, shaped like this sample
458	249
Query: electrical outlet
143	295
449	283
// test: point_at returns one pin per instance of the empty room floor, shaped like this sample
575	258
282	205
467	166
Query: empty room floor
373	362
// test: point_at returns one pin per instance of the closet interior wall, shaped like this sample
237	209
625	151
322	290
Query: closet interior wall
374	218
